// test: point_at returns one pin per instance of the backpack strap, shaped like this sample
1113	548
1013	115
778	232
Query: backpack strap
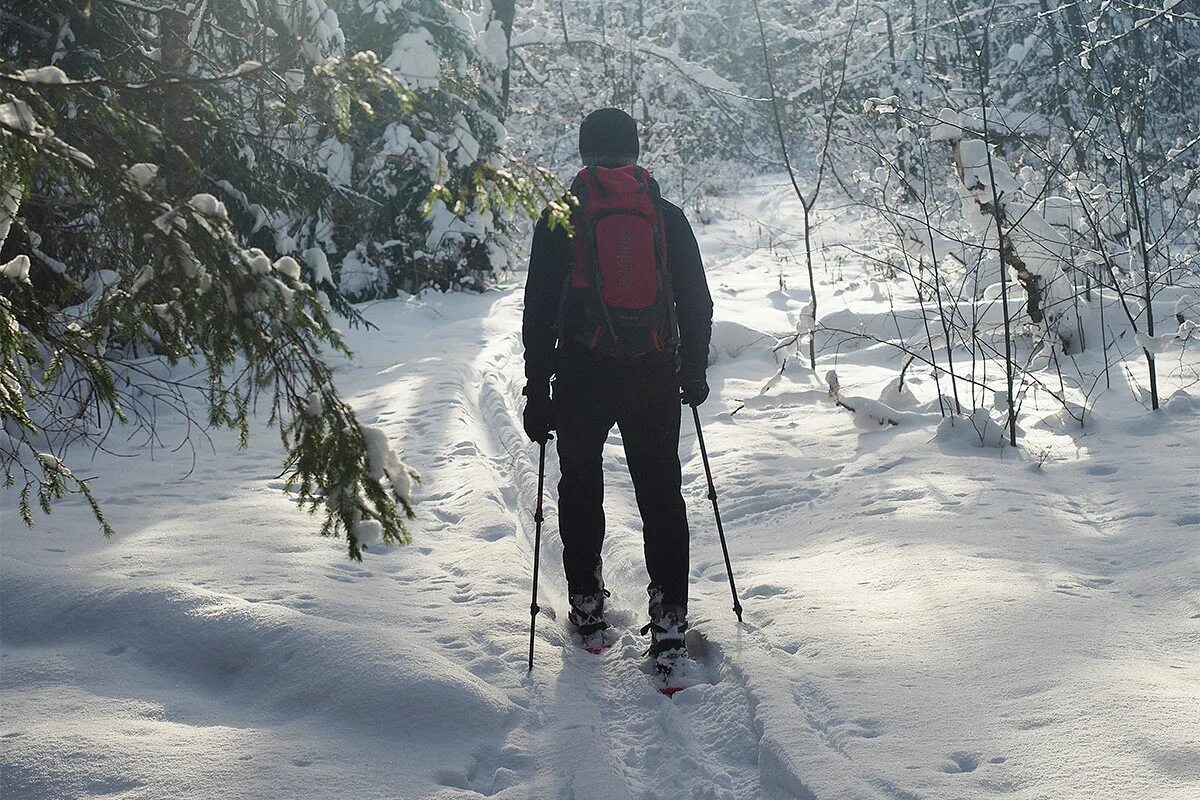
664	269
579	189
598	279
663	264
595	176
640	174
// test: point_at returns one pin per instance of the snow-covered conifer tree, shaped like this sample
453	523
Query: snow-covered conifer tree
171	181
421	187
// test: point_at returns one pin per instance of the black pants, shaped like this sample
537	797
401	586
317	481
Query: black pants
642	399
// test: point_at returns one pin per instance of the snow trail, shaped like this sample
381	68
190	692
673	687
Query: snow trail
604	729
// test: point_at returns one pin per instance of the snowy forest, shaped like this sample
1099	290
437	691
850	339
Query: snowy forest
270	521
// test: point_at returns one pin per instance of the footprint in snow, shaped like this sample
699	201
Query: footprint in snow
865	728
1078	583
495	531
893	791
875	512
446	516
961	762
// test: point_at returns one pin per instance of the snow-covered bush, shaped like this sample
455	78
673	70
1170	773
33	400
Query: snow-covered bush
1067	139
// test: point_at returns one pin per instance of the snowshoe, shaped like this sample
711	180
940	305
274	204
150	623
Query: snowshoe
587	618
668	650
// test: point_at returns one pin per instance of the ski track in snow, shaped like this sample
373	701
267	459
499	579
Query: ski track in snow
923	621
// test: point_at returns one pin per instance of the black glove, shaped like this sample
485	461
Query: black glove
693	391
539	412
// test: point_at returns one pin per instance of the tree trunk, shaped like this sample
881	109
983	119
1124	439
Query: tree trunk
505	11
176	58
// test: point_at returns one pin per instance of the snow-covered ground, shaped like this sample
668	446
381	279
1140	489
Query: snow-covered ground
924	618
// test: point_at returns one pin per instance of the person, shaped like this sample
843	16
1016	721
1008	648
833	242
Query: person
602	376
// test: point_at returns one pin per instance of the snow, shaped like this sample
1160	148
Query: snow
1063	212
35	241
208	206
17	115
383	462
49	75
493	45
246	67
952	124
318	263
338	158
467	146
1155	345
10	201
447	228
1007	121
287	266
949	127
534	35
258	262
925	617
397	139
881	105
143	174
1040	246
973	159
17	269
357	274
415	59
320	26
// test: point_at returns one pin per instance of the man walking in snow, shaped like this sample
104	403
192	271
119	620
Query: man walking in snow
618	313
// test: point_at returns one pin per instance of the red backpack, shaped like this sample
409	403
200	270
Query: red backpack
618	298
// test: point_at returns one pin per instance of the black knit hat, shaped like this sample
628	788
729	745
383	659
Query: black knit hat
608	138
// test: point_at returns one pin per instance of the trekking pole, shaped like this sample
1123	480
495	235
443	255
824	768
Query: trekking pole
537	550
712	495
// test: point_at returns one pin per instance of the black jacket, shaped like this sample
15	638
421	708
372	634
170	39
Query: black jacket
549	268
